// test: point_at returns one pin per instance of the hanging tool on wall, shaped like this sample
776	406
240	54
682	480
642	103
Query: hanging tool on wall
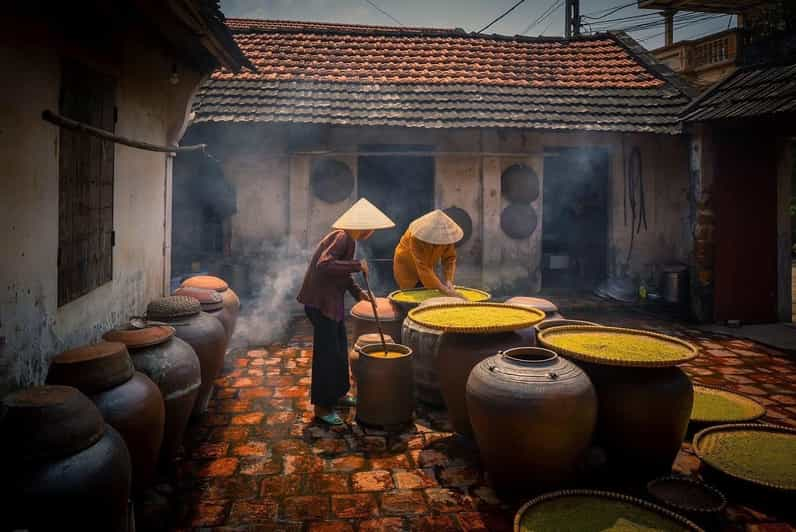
634	198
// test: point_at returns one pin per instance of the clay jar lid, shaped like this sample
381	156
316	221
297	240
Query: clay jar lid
47	422
373	338
92	368
139	338
546	306
208	282
364	309
210	300
172	307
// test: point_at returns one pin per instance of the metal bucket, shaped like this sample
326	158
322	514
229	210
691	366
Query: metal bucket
674	283
385	394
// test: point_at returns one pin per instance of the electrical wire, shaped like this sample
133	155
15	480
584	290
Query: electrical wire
551	19
610	11
552	8
509	10
383	12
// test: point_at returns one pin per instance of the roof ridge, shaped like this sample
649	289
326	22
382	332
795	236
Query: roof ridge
655	67
296	26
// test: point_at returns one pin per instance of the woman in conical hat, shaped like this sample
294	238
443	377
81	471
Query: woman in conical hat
328	278
428	241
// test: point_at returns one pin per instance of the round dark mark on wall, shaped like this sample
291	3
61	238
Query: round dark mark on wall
331	180
519	184
463	220
518	221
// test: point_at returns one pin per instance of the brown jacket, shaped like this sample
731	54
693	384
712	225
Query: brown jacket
328	276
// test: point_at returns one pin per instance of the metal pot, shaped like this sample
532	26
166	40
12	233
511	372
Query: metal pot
533	414
385	392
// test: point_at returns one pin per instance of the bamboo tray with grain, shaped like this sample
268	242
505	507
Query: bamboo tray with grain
597	511
716	405
763	455
616	346
415	296
476	318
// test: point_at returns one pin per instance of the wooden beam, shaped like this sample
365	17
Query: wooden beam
67	123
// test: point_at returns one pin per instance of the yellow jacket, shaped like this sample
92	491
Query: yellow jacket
415	260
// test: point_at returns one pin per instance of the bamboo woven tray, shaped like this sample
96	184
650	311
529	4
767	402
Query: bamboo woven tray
717	405
569	511
415	296
463	317
764	455
612	346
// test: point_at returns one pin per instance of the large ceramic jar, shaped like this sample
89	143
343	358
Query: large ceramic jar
212	303
63	467
548	307
173	366
385	395
128	400
201	331
230	298
363	341
533	414
446	354
644	400
364	322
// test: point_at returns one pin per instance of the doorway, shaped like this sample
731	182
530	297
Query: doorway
745	198
575	218
401	184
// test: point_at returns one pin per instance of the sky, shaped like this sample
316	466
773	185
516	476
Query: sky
472	15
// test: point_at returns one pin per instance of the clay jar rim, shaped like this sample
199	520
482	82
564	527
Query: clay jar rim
209	300
529	356
206	282
364	350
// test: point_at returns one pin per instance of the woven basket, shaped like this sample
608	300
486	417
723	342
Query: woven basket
534	316
756	410
646	505
700	450
167	308
546	337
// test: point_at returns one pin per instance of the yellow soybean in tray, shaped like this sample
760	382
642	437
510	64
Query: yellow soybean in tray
608	345
477	316
421	294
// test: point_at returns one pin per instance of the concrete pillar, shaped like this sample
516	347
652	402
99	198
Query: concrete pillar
669	26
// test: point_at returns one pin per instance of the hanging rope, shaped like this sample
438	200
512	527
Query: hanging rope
634	198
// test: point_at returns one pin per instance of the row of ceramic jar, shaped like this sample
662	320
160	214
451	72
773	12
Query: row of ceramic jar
112	412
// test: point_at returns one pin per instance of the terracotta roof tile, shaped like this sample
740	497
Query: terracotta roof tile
320	57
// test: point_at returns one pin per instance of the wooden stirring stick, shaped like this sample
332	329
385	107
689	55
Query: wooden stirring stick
375	312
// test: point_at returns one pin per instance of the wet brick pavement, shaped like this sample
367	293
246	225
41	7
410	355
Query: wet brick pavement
256	460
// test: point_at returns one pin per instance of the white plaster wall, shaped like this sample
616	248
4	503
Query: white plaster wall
467	174
32	327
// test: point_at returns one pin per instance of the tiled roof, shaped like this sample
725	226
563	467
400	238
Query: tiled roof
438	78
748	92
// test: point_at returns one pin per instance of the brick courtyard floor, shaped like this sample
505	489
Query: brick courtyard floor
256	461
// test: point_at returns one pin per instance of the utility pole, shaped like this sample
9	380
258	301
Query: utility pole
571	18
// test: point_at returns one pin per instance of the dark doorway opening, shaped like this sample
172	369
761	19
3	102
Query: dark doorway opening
401	185
575	218
745	198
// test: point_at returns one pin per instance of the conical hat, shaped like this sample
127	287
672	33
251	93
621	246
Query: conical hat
363	216
436	227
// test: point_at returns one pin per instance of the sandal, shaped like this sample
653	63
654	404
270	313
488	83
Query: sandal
347	400
331	419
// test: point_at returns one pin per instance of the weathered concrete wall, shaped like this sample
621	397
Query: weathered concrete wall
32	327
